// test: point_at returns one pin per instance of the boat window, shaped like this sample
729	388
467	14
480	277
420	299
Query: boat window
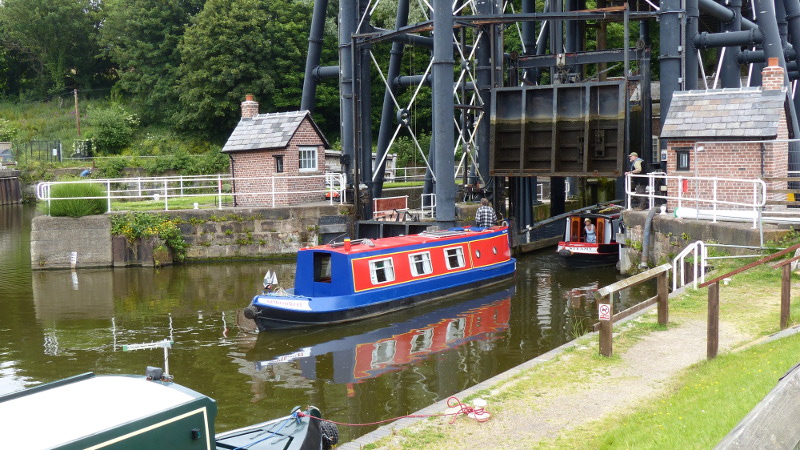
322	267
420	263
381	270
454	257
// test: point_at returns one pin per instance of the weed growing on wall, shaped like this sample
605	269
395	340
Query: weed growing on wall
73	201
134	226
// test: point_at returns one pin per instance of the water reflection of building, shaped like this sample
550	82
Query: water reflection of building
369	354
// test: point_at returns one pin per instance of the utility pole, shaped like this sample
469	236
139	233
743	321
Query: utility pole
77	113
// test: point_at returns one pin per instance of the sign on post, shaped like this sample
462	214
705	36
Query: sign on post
604	311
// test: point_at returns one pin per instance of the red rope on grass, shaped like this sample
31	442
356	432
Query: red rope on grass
463	409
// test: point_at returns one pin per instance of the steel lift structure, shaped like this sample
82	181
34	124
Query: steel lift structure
532	88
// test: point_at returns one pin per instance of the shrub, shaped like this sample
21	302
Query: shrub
141	225
113	128
77	207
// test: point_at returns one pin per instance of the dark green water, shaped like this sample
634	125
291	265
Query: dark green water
55	324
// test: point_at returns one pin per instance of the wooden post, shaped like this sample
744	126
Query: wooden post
786	294
713	321
77	114
606	326
662	286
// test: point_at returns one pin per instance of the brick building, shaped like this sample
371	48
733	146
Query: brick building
277	159
729	133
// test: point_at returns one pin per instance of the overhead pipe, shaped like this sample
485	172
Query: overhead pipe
757	56
707	40
723	13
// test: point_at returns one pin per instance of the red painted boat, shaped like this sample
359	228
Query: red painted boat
351	280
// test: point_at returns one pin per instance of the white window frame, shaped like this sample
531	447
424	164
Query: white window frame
459	253
425	259
307	155
388	270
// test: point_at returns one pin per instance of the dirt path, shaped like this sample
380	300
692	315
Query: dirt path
532	414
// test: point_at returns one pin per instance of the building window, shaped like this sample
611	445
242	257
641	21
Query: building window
308	158
682	159
420	264
381	270
454	257
278	163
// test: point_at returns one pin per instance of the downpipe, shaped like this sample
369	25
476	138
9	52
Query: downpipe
648	226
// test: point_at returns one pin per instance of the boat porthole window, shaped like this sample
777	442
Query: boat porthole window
494	250
477	253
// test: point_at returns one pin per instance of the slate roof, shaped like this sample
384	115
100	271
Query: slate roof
725	114
268	131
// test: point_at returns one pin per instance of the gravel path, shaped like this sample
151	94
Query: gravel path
642	371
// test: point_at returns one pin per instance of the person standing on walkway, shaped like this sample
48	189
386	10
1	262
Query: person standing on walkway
637	168
485	216
591	232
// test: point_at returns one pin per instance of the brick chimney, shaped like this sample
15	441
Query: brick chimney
249	107
772	76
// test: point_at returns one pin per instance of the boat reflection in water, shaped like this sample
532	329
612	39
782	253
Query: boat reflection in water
388	348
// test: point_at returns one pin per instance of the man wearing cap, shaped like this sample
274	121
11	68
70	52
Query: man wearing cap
637	201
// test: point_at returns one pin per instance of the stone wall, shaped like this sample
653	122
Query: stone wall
670	235
234	233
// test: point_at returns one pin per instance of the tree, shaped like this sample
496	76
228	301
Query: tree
239	47
57	37
141	38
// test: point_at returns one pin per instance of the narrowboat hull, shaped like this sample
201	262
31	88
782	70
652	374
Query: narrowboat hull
578	255
136	412
386	275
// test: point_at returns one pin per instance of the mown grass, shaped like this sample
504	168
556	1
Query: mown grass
706	402
203	202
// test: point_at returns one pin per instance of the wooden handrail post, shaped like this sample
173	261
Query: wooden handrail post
786	295
662	287
606	316
713	321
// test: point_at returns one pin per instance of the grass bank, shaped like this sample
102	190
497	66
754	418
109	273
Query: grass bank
695	408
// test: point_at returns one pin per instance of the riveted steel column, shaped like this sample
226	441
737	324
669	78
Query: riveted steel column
347	26
315	39
443	111
730	72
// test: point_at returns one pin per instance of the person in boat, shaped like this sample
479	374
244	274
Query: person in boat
637	168
485	216
591	232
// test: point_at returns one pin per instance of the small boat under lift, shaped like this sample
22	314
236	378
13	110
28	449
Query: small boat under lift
575	252
351	280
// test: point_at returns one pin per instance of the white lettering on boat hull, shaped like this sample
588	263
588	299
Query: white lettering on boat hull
298	305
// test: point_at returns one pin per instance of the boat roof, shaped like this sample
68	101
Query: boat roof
426	237
46	417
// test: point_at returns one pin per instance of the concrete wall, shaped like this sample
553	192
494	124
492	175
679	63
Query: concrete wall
54	239
234	233
670	235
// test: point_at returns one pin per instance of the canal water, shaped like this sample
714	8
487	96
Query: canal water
55	324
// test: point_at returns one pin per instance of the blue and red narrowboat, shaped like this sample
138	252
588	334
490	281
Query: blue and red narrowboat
580	250
352	280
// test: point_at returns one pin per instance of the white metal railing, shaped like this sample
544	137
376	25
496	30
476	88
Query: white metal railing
263	189
754	200
428	205
699	252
